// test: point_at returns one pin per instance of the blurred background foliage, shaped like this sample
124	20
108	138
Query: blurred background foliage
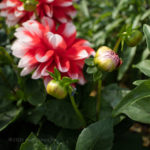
26	110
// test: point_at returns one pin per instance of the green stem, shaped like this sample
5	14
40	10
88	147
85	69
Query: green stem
98	106
117	45
79	114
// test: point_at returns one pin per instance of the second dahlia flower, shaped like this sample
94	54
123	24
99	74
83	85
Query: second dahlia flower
14	12
41	47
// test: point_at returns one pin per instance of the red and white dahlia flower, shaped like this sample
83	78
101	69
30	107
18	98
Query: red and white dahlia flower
42	47
60	10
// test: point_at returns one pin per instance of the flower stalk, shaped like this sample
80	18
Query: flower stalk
98	106
117	45
79	114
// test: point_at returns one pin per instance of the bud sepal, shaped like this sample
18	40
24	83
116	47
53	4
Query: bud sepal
58	87
30	5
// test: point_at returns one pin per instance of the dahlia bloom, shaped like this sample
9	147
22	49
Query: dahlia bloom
106	59
42	47
60	10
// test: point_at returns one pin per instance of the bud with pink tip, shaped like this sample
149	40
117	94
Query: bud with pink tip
106	59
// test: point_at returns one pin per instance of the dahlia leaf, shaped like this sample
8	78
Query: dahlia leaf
89	62
97	136
33	143
91	70
62	114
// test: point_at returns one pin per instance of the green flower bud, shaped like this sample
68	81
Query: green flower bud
134	38
55	89
30	5
106	59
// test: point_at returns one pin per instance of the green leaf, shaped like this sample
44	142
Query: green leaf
62	114
35	115
113	94
136	104
146	29
56	145
35	92
3	37
9	115
144	67
32	143
68	138
138	82
89	62
91	70
84	8
97	136
127	58
97	75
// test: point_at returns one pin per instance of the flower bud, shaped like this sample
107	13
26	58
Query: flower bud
30	5
134	38
55	89
106	59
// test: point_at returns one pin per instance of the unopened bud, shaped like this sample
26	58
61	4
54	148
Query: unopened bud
106	59
134	38
30	5
54	88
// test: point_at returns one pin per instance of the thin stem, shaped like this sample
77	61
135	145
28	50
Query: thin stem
79	114
98	106
117	45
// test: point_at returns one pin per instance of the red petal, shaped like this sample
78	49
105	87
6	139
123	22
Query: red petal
55	41
62	64
63	3
48	23
68	31
42	56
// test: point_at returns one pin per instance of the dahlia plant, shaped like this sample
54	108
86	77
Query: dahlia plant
73	75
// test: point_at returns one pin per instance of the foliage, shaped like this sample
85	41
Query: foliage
30	119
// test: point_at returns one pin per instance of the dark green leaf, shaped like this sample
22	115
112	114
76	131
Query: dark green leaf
56	145
8	114
97	136
33	143
113	94
127	59
35	115
62	114
136	104
144	67
35	92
